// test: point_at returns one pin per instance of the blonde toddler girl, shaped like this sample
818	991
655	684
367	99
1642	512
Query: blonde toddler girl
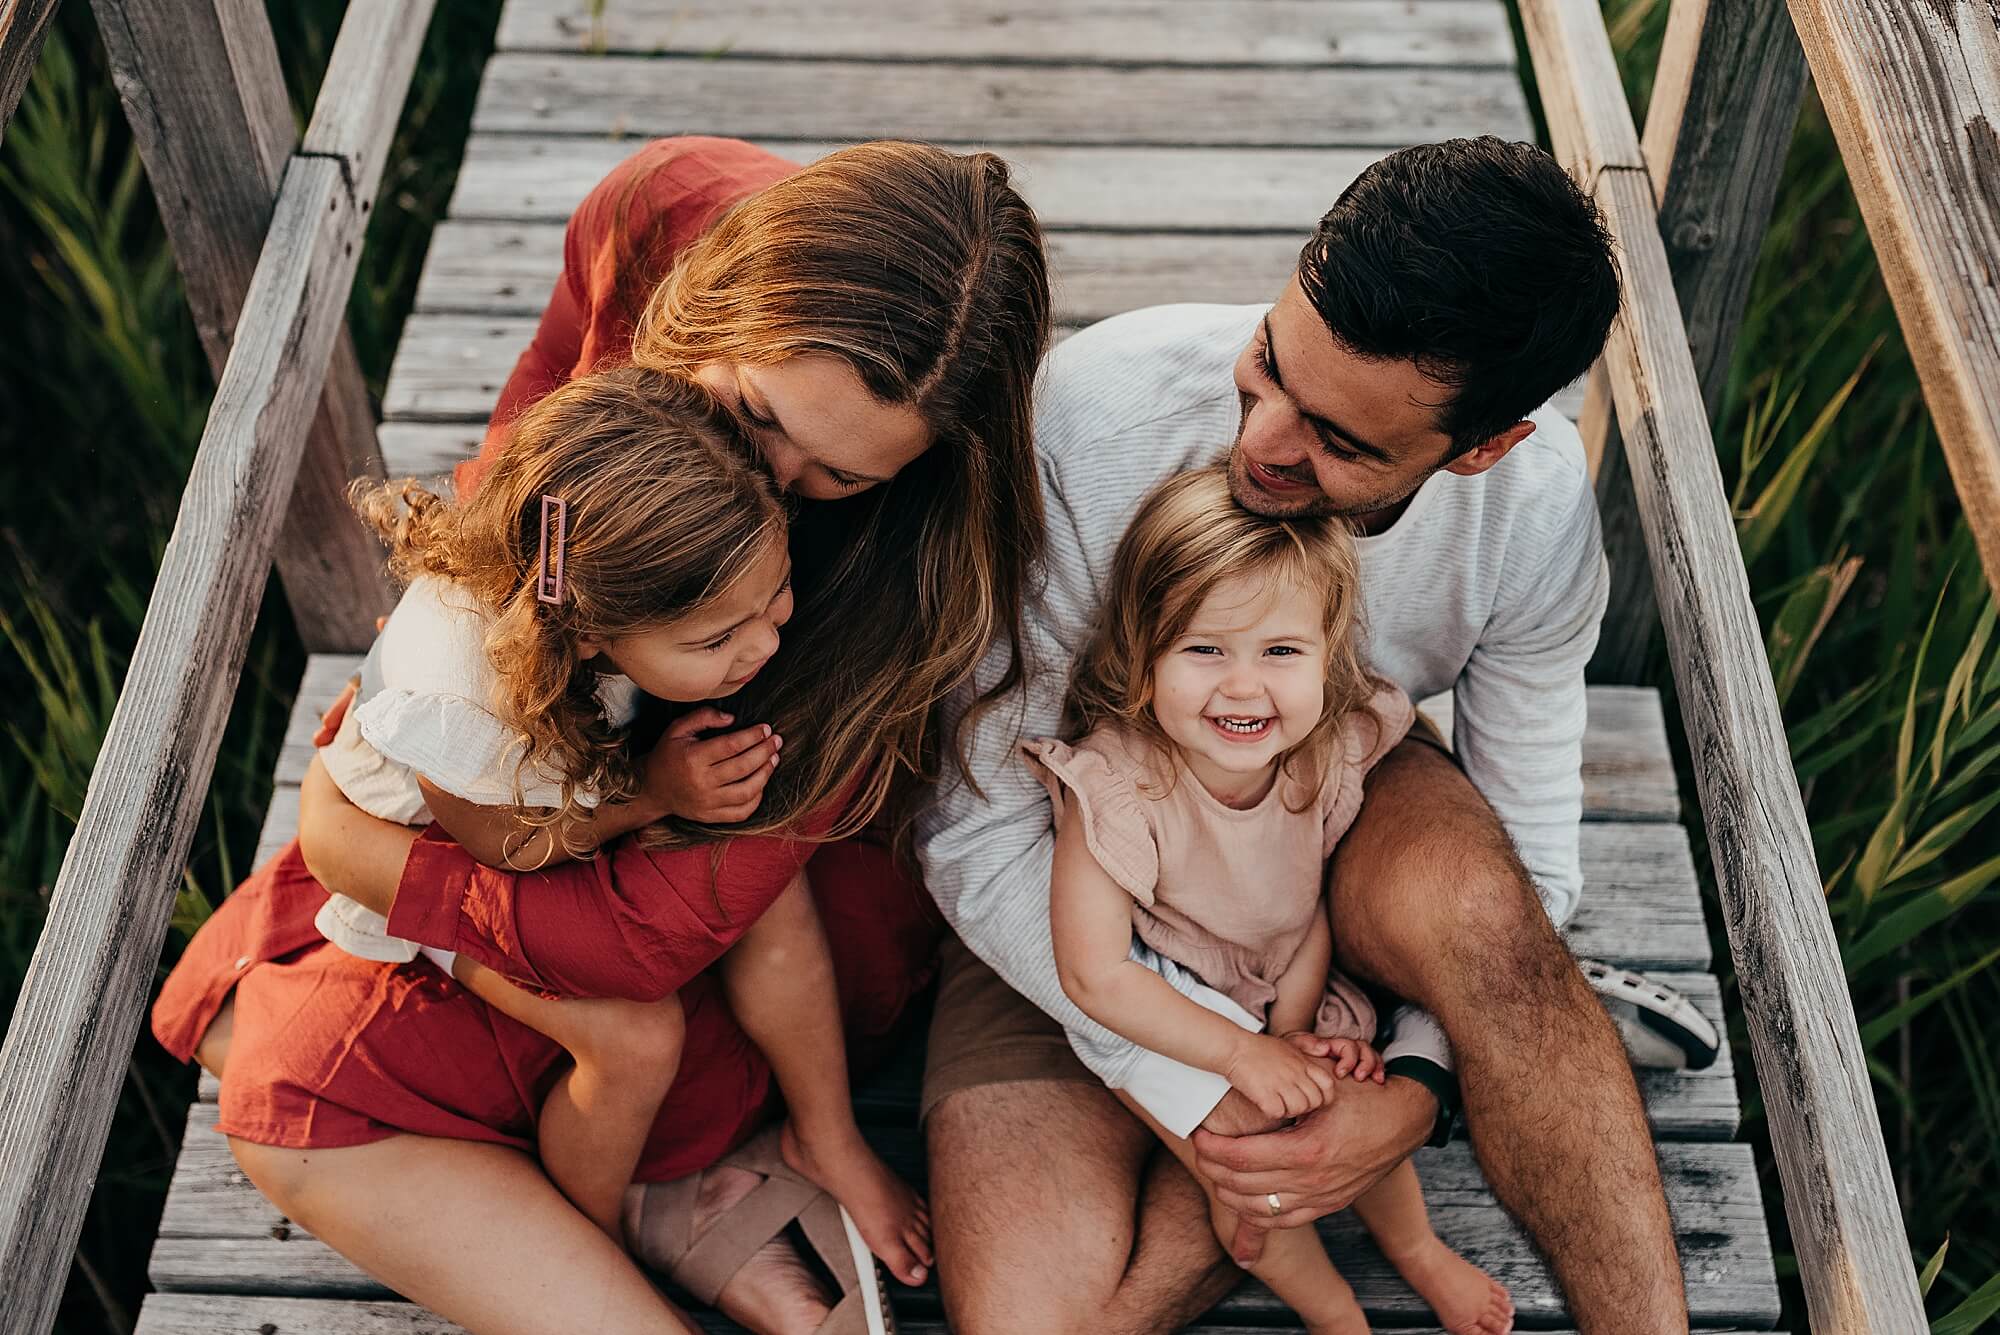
1224	728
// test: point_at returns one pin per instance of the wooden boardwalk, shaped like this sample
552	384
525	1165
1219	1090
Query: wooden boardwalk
1190	165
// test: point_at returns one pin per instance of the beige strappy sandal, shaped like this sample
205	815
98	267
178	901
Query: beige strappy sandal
663	1231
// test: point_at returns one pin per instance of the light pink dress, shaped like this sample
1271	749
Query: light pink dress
1229	894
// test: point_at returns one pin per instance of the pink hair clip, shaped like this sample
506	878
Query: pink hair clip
549	560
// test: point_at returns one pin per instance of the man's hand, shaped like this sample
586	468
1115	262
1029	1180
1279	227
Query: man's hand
719	780
1315	1166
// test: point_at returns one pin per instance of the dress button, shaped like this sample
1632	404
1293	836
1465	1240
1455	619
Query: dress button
242	961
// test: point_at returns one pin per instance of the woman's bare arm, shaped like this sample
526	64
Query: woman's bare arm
347	850
500	837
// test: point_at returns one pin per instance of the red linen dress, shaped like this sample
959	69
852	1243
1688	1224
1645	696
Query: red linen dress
330	1050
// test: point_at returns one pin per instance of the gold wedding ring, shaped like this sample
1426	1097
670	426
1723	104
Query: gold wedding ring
1272	1201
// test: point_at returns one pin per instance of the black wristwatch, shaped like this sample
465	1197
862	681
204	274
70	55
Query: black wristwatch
1439	1081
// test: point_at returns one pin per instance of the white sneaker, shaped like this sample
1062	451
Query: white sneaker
1662	1029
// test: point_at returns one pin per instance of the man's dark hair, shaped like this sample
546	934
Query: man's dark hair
1476	258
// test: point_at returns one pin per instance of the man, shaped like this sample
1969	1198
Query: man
1397	380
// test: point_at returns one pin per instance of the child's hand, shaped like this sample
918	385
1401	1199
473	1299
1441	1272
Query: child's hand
1351	1057
1280	1077
719	780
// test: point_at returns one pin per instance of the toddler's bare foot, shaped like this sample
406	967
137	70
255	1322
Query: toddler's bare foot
775	1293
1467	1300
893	1219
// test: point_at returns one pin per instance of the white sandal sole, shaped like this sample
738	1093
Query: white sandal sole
874	1293
1662	1029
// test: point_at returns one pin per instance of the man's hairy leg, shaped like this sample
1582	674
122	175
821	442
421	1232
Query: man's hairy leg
1430	901
1056	1211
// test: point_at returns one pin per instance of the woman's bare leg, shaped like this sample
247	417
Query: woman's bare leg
474	1232
595	1120
779	980
213	1050
1467	1300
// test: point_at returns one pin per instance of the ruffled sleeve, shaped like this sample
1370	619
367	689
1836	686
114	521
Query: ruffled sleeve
1115	828
1366	735
458	746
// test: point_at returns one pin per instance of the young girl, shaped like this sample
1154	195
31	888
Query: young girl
1225	726
624	544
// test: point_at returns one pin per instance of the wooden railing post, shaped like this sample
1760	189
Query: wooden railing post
1725	102
205	94
23	24
1825	1133
1913	94
70	1038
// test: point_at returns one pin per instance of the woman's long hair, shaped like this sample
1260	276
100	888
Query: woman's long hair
666	508
923	270
1188	537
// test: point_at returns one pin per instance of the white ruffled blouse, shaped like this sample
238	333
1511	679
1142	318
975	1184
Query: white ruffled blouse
424	708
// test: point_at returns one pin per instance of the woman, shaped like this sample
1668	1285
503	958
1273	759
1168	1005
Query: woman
876	320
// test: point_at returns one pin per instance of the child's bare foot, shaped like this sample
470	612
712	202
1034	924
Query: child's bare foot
1467	1300
893	1219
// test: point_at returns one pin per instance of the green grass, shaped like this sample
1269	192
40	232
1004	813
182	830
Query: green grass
103	392
1880	629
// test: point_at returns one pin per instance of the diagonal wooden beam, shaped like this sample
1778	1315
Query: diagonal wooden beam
1912	90
63	1061
206	99
23	24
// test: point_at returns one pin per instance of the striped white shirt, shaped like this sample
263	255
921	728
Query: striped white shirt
1489	586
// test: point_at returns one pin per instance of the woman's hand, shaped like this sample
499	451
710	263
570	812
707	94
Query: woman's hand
717	780
1280	1077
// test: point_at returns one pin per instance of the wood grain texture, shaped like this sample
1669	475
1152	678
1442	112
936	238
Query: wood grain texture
206	100
71	1034
996	104
429	450
220	1236
539	177
477	268
218	1314
23	24
66	1049
1838	1193
1628	770
1725	99
1097	32
355	117
1912	91
1583	99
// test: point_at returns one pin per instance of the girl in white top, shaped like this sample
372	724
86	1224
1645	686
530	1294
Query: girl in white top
624	543
1224	728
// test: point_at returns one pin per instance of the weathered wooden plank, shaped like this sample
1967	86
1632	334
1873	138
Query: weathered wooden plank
367	74
429	449
1097	32
537	177
496	268
1913	94
220	1236
997	104
206	99
71	1034
1826	1137
1628	769
1725	99
23	24
219	1314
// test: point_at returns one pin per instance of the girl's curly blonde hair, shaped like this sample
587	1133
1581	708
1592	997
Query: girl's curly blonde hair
1188	537
666	509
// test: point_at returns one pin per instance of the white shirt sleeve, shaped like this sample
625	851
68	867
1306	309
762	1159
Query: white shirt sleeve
1519	706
